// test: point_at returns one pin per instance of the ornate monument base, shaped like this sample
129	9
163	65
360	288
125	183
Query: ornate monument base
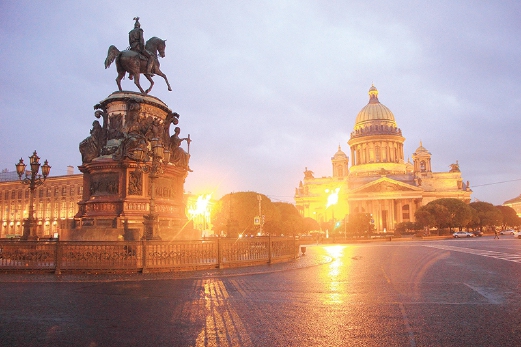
118	201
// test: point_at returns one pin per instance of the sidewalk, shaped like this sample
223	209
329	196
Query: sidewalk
312	258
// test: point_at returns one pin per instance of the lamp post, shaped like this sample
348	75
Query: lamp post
33	181
152	160
261	222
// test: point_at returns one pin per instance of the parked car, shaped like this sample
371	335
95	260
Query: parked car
507	232
517	234
462	234
477	233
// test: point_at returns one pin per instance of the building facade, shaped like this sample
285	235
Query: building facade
55	205
515	203
377	180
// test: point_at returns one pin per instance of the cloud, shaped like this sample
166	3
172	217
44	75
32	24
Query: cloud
266	89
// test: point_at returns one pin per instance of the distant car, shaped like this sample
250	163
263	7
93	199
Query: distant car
517	234
507	232
477	233
462	234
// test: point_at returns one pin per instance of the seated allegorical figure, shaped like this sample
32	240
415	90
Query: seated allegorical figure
178	156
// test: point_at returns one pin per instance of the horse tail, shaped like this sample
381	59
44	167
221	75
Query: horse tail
111	55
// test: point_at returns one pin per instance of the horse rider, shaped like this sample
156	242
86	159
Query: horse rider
137	44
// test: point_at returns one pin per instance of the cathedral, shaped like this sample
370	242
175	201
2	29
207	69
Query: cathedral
377	179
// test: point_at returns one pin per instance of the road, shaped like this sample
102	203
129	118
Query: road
460	292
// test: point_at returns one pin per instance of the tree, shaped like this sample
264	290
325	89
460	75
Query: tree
434	215
488	214
424	217
309	224
234	213
291	222
359	224
444	213
510	217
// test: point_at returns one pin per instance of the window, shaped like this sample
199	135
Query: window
405	212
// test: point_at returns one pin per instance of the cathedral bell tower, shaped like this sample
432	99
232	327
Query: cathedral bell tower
340	161
422	161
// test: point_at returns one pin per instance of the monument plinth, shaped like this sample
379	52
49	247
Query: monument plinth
124	159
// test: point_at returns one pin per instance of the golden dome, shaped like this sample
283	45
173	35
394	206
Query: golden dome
374	113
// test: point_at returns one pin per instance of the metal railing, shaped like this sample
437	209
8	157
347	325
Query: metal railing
143	256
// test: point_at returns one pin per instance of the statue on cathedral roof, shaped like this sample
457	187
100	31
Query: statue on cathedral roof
454	167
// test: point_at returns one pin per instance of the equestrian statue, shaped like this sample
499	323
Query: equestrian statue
138	58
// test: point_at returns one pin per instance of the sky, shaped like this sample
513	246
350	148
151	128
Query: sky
268	88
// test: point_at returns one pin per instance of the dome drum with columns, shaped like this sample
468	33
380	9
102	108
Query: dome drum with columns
378	180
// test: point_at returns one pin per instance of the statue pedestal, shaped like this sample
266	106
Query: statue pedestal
116	192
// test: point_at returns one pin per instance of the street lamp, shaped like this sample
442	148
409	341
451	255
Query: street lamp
152	160
261	221
332	200
34	180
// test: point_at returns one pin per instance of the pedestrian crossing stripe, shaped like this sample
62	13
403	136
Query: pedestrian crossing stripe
484	253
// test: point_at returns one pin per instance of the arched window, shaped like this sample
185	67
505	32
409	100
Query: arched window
423	166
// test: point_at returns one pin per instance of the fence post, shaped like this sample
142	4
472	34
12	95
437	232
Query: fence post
58	258
144	269
269	249
219	253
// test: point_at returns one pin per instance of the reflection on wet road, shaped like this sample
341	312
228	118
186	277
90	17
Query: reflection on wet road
438	293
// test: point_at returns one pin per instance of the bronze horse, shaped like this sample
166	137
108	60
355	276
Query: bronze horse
131	62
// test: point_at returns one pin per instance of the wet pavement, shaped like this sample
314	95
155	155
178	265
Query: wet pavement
437	293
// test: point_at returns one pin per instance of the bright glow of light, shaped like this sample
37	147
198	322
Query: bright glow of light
335	278
332	198
201	205
335	251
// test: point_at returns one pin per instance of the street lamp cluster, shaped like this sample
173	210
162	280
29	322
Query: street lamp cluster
33	180
151	161
200	212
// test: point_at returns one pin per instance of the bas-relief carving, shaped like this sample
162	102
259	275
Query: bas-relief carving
104	184
135	183
384	187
